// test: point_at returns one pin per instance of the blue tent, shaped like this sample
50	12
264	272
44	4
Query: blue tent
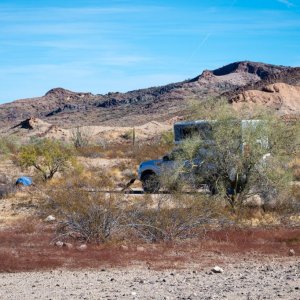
24	180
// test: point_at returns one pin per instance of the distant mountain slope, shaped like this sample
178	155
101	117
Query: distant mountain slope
68	109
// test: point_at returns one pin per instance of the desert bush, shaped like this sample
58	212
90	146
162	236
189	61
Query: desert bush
288	202
92	151
86	214
295	165
78	177
91	217
130	136
167	138
3	147
46	156
170	180
5	190
241	163
81	137
95	216
174	217
8	145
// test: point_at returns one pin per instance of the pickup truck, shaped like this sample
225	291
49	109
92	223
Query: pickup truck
151	171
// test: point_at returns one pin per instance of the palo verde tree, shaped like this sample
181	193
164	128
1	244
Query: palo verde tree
46	156
243	154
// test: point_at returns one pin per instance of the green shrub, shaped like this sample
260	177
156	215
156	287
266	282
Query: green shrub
8	145
46	156
244	163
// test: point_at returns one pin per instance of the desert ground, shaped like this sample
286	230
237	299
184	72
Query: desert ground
259	261
268	278
259	256
248	253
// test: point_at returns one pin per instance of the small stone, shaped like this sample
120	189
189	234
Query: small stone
82	247
292	252
217	269
68	245
140	249
133	293
59	244
124	247
50	219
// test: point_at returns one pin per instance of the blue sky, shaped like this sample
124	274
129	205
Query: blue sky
121	45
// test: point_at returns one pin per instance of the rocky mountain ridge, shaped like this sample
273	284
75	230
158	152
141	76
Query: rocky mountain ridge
66	108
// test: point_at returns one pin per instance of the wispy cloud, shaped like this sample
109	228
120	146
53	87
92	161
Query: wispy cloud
286	3
53	13
77	67
126	44
50	28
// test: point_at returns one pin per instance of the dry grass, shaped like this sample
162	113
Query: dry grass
91	151
296	168
140	151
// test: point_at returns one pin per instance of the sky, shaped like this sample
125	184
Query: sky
121	45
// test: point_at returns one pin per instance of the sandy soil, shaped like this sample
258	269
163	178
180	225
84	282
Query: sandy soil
38	128
272	279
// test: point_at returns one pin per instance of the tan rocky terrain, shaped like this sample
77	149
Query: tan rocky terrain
284	98
37	128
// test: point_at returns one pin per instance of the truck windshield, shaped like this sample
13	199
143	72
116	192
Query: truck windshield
188	130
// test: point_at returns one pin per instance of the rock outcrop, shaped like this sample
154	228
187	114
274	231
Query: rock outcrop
283	98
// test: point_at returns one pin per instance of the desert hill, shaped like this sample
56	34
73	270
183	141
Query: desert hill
32	128
284	98
65	108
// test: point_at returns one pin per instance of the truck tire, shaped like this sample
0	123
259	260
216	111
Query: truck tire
212	188
150	183
212	185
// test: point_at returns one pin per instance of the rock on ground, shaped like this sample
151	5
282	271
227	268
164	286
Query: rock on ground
274	280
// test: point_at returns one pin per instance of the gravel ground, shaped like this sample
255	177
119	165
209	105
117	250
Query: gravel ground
243	280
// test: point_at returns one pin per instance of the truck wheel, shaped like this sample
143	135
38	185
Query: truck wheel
212	187
150	183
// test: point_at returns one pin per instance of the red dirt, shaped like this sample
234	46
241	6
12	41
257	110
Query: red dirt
28	248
